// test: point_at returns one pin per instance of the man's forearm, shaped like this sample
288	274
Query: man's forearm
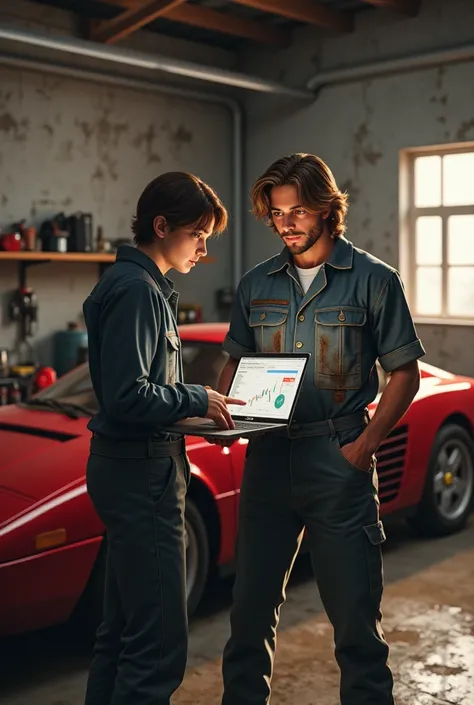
395	400
227	373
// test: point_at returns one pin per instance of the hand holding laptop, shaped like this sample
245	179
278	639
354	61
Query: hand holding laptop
217	409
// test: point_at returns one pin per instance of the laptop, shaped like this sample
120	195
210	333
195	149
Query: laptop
270	383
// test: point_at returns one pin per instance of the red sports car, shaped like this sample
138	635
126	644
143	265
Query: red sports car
52	543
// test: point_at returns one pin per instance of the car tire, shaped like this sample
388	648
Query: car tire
89	611
197	556
448	495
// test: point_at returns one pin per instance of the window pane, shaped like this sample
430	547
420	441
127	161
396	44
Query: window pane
461	291
427	181
458	179
428	291
429	240
461	239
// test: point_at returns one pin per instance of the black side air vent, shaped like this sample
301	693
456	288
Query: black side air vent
39	432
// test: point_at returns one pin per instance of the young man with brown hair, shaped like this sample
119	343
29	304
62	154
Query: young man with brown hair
324	296
137	475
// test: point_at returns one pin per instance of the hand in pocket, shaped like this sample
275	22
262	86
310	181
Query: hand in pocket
357	456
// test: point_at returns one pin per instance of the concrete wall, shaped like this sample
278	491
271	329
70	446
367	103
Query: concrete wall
68	144
360	128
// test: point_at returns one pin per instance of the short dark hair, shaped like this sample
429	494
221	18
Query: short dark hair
316	187
183	200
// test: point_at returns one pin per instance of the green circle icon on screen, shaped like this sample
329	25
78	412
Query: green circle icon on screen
279	401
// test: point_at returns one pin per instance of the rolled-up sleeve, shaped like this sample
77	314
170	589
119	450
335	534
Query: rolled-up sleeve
240	338
130	324
395	335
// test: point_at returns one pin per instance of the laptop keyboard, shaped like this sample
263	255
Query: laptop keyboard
239	425
245	426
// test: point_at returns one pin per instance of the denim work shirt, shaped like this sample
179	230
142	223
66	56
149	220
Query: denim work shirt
135	352
354	313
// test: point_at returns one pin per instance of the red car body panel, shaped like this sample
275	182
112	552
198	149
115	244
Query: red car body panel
43	457
43	589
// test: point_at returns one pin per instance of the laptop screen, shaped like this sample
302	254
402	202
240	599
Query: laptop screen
269	384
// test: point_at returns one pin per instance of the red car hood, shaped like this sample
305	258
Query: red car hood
26	434
41	454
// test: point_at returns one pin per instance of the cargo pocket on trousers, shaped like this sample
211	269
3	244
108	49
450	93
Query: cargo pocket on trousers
376	536
161	478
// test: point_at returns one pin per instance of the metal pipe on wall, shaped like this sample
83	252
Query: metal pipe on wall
390	66
154	62
127	57
232	105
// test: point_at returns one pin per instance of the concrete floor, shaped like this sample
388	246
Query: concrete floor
428	620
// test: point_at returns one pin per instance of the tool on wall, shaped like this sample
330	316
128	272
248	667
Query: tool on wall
67	233
19	237
54	234
23	309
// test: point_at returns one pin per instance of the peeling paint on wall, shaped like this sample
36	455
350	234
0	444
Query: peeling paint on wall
348	186
67	145
49	86
17	128
178	137
363	149
440	99
464	128
65	151
146	139
86	129
108	134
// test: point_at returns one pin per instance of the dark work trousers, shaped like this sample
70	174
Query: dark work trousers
141	646
289	485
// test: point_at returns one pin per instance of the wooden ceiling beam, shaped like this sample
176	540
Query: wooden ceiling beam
221	22
110	31
405	7
307	11
200	16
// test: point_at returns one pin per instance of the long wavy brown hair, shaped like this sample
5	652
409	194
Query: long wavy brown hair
316	185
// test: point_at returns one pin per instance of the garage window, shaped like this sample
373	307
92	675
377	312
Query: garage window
437	240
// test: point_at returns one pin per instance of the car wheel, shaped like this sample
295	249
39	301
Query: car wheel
449	488
197	555
89	612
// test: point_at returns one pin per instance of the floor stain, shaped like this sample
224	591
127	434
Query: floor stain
428	621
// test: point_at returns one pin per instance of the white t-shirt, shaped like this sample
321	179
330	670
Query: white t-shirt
306	276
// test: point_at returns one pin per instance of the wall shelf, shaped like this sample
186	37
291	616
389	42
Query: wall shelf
27	259
32	256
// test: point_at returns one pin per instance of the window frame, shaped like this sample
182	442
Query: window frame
408	216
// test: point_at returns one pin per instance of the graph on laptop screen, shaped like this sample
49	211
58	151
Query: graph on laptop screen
268	386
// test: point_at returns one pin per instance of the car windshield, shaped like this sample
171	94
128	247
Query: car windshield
202	364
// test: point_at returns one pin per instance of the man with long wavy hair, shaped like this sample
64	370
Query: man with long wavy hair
321	295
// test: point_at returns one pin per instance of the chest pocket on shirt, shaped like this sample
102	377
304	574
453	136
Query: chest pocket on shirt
173	347
269	326
338	347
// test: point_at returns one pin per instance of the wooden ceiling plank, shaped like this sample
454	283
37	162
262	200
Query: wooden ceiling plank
307	11
110	31
405	7
221	22
225	23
